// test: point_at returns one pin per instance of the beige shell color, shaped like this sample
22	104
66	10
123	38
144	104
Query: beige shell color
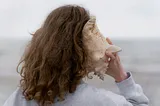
97	46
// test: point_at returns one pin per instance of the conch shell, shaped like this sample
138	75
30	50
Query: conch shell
97	46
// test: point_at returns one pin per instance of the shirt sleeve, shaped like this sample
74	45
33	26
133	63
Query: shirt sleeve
132	92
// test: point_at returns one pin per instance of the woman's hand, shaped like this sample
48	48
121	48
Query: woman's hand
115	68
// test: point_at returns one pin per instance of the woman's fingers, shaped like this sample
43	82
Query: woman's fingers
118	59
110	55
109	41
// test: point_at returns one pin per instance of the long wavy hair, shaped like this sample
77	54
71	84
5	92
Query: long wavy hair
54	61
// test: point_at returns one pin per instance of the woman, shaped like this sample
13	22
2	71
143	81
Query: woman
55	62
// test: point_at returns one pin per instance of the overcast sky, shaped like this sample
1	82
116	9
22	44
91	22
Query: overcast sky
116	18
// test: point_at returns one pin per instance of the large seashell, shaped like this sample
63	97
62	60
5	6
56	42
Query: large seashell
97	46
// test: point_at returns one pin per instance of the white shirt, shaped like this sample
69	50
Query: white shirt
87	95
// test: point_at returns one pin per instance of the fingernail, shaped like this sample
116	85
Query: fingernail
109	59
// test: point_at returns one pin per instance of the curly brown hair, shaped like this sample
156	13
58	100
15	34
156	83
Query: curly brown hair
55	60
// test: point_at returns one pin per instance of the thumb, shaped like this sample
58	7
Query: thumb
109	41
110	55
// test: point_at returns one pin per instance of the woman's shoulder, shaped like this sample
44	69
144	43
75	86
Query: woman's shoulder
85	94
87	89
11	100
99	96
17	99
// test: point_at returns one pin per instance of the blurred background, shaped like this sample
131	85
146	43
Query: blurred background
131	24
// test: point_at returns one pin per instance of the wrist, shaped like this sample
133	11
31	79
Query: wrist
121	77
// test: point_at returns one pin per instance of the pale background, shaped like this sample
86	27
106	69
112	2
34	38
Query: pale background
131	24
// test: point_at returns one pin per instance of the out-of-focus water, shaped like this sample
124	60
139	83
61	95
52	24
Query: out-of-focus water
140	55
136	56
